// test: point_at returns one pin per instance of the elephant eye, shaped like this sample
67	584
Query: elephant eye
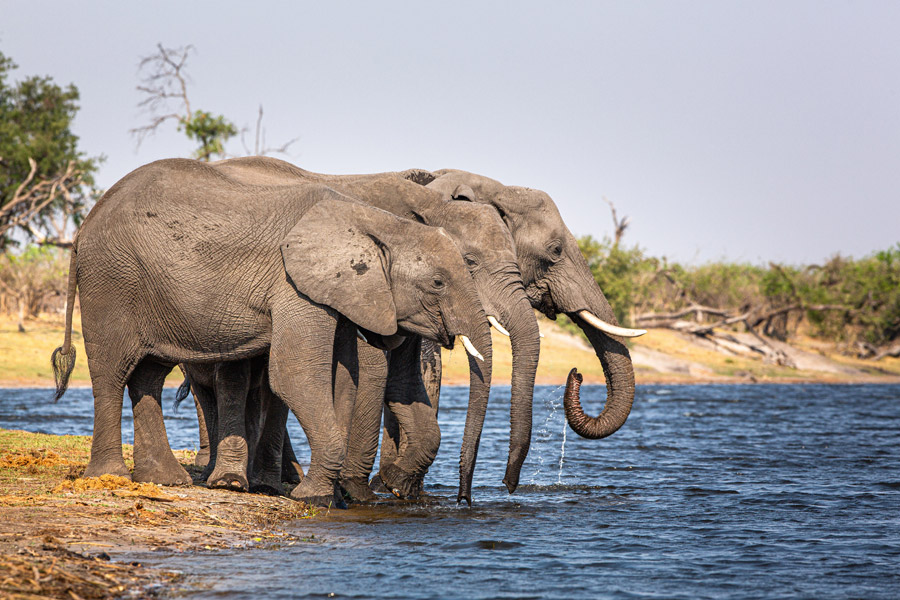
438	283
554	249
471	260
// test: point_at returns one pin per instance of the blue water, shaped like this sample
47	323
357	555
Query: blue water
713	491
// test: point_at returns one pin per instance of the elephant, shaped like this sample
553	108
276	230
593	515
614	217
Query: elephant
412	391
558	281
179	263
205	378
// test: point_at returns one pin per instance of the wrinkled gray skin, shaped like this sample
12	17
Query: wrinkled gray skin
412	385
235	403
558	281
178	263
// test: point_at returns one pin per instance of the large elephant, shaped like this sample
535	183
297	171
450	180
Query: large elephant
557	280
178	263
486	246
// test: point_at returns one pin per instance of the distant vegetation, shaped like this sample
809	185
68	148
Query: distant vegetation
854	302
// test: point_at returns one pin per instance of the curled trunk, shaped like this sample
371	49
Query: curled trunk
619	373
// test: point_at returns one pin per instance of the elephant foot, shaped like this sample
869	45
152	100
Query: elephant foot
96	468
291	472
400	483
168	472
267	488
357	489
318	495
328	501
377	485
202	458
229	480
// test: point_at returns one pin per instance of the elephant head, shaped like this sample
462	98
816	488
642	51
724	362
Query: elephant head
393	276
488	251
485	244
557	280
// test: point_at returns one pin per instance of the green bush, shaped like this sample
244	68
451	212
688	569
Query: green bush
845	299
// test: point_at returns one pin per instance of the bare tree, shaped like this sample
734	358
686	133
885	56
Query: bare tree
620	226
165	83
259	144
45	206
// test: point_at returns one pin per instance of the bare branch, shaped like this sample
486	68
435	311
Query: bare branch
620	226
164	80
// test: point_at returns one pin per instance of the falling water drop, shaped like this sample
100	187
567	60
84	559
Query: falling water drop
562	454
553	401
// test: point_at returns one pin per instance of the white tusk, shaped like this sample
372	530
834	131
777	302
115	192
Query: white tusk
493	321
540	335
605	327
470	348
360	335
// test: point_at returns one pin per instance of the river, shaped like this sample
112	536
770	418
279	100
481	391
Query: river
708	491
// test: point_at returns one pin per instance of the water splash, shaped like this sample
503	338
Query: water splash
544	433
562	453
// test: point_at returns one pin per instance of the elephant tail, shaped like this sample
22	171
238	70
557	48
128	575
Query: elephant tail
63	358
183	390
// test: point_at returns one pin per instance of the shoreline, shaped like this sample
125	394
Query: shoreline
656	379
62	535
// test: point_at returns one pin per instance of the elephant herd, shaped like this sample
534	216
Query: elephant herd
279	290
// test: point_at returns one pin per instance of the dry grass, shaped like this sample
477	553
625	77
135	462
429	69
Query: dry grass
59	530
560	351
25	357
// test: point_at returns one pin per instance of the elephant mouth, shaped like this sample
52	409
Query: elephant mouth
448	342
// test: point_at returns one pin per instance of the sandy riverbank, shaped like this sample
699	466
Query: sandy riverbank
64	537
661	356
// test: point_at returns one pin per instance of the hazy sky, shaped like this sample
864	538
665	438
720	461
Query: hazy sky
751	131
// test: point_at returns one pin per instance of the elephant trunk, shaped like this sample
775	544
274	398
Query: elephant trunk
619	373
479	389
524	336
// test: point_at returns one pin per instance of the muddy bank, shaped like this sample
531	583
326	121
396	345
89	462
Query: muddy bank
66	537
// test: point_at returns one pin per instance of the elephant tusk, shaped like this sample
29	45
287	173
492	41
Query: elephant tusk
496	324
470	348
360	335
605	327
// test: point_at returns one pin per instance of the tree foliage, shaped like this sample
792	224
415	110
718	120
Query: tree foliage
848	300
46	183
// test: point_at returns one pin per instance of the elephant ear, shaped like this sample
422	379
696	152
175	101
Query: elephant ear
452	190
332	257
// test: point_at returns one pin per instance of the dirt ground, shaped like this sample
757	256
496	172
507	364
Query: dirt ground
65	537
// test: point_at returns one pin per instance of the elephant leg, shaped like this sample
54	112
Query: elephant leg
291	471
430	368
345	374
266	465
205	400
110	366
153	458
106	443
202	458
362	443
346	386
300	367
408	401
232	386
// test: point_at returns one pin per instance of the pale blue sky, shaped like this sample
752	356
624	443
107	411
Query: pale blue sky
751	131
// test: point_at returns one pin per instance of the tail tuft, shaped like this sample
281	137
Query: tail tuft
63	363
183	390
